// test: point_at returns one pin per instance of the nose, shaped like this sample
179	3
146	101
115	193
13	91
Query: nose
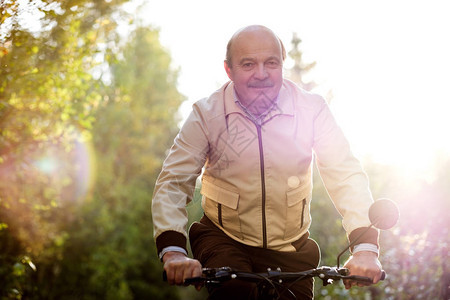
261	72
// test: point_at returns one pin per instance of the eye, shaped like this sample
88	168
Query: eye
272	64
247	65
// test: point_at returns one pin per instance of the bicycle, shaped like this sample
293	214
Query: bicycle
383	214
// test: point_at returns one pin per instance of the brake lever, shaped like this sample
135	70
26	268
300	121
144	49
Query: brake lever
219	275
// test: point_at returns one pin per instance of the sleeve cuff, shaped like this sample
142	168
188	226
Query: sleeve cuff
171	248
366	247
370	237
170	238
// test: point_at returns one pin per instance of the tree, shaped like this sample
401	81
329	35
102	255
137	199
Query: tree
55	104
131	134
131	139
47	95
300	68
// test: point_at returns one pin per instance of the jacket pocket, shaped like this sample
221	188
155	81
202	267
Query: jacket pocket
297	210
221	206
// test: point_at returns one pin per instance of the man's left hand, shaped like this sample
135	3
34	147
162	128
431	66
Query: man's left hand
364	263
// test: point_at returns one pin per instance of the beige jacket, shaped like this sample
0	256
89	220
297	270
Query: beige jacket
257	182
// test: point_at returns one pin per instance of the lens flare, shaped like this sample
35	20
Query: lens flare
85	171
73	171
47	165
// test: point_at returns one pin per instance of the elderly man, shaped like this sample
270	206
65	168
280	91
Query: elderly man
255	138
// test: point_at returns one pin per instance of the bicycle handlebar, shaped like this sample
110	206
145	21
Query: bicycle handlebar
273	284
326	274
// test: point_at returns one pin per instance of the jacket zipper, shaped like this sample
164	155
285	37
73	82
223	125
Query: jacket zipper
263	187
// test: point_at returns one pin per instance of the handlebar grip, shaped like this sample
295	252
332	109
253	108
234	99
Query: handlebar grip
362	279
187	281
194	280
367	279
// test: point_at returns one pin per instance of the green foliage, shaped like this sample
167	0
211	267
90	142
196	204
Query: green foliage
47	93
57	240
122	263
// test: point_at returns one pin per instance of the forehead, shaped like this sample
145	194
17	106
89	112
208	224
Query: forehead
255	43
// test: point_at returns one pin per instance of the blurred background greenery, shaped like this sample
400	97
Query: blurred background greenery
86	118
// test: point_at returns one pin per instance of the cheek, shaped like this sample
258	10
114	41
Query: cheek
277	75
241	81
241	77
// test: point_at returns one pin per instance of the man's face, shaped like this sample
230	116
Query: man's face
256	67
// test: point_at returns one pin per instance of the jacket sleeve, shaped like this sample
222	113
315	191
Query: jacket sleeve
343	176
176	183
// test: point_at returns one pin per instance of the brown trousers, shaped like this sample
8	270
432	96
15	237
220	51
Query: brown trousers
215	249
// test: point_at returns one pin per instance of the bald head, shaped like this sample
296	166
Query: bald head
255	65
253	32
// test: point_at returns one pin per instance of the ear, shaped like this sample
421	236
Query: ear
228	70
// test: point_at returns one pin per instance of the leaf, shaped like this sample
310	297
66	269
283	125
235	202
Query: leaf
27	261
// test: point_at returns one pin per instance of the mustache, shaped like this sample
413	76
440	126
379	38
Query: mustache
260	84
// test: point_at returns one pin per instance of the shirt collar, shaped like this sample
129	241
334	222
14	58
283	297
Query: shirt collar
284	104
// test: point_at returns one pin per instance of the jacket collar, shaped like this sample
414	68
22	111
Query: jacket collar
284	106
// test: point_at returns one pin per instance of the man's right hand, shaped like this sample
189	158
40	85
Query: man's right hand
179	267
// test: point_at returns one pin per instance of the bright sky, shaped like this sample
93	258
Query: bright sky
386	62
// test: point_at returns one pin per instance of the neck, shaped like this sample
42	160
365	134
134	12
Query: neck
257	107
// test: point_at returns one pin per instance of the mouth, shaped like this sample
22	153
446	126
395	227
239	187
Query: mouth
260	85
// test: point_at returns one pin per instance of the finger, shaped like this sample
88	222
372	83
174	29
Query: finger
170	277
186	274
191	271
352	283
377	276
179	276
373	276
170	269
197	271
347	284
